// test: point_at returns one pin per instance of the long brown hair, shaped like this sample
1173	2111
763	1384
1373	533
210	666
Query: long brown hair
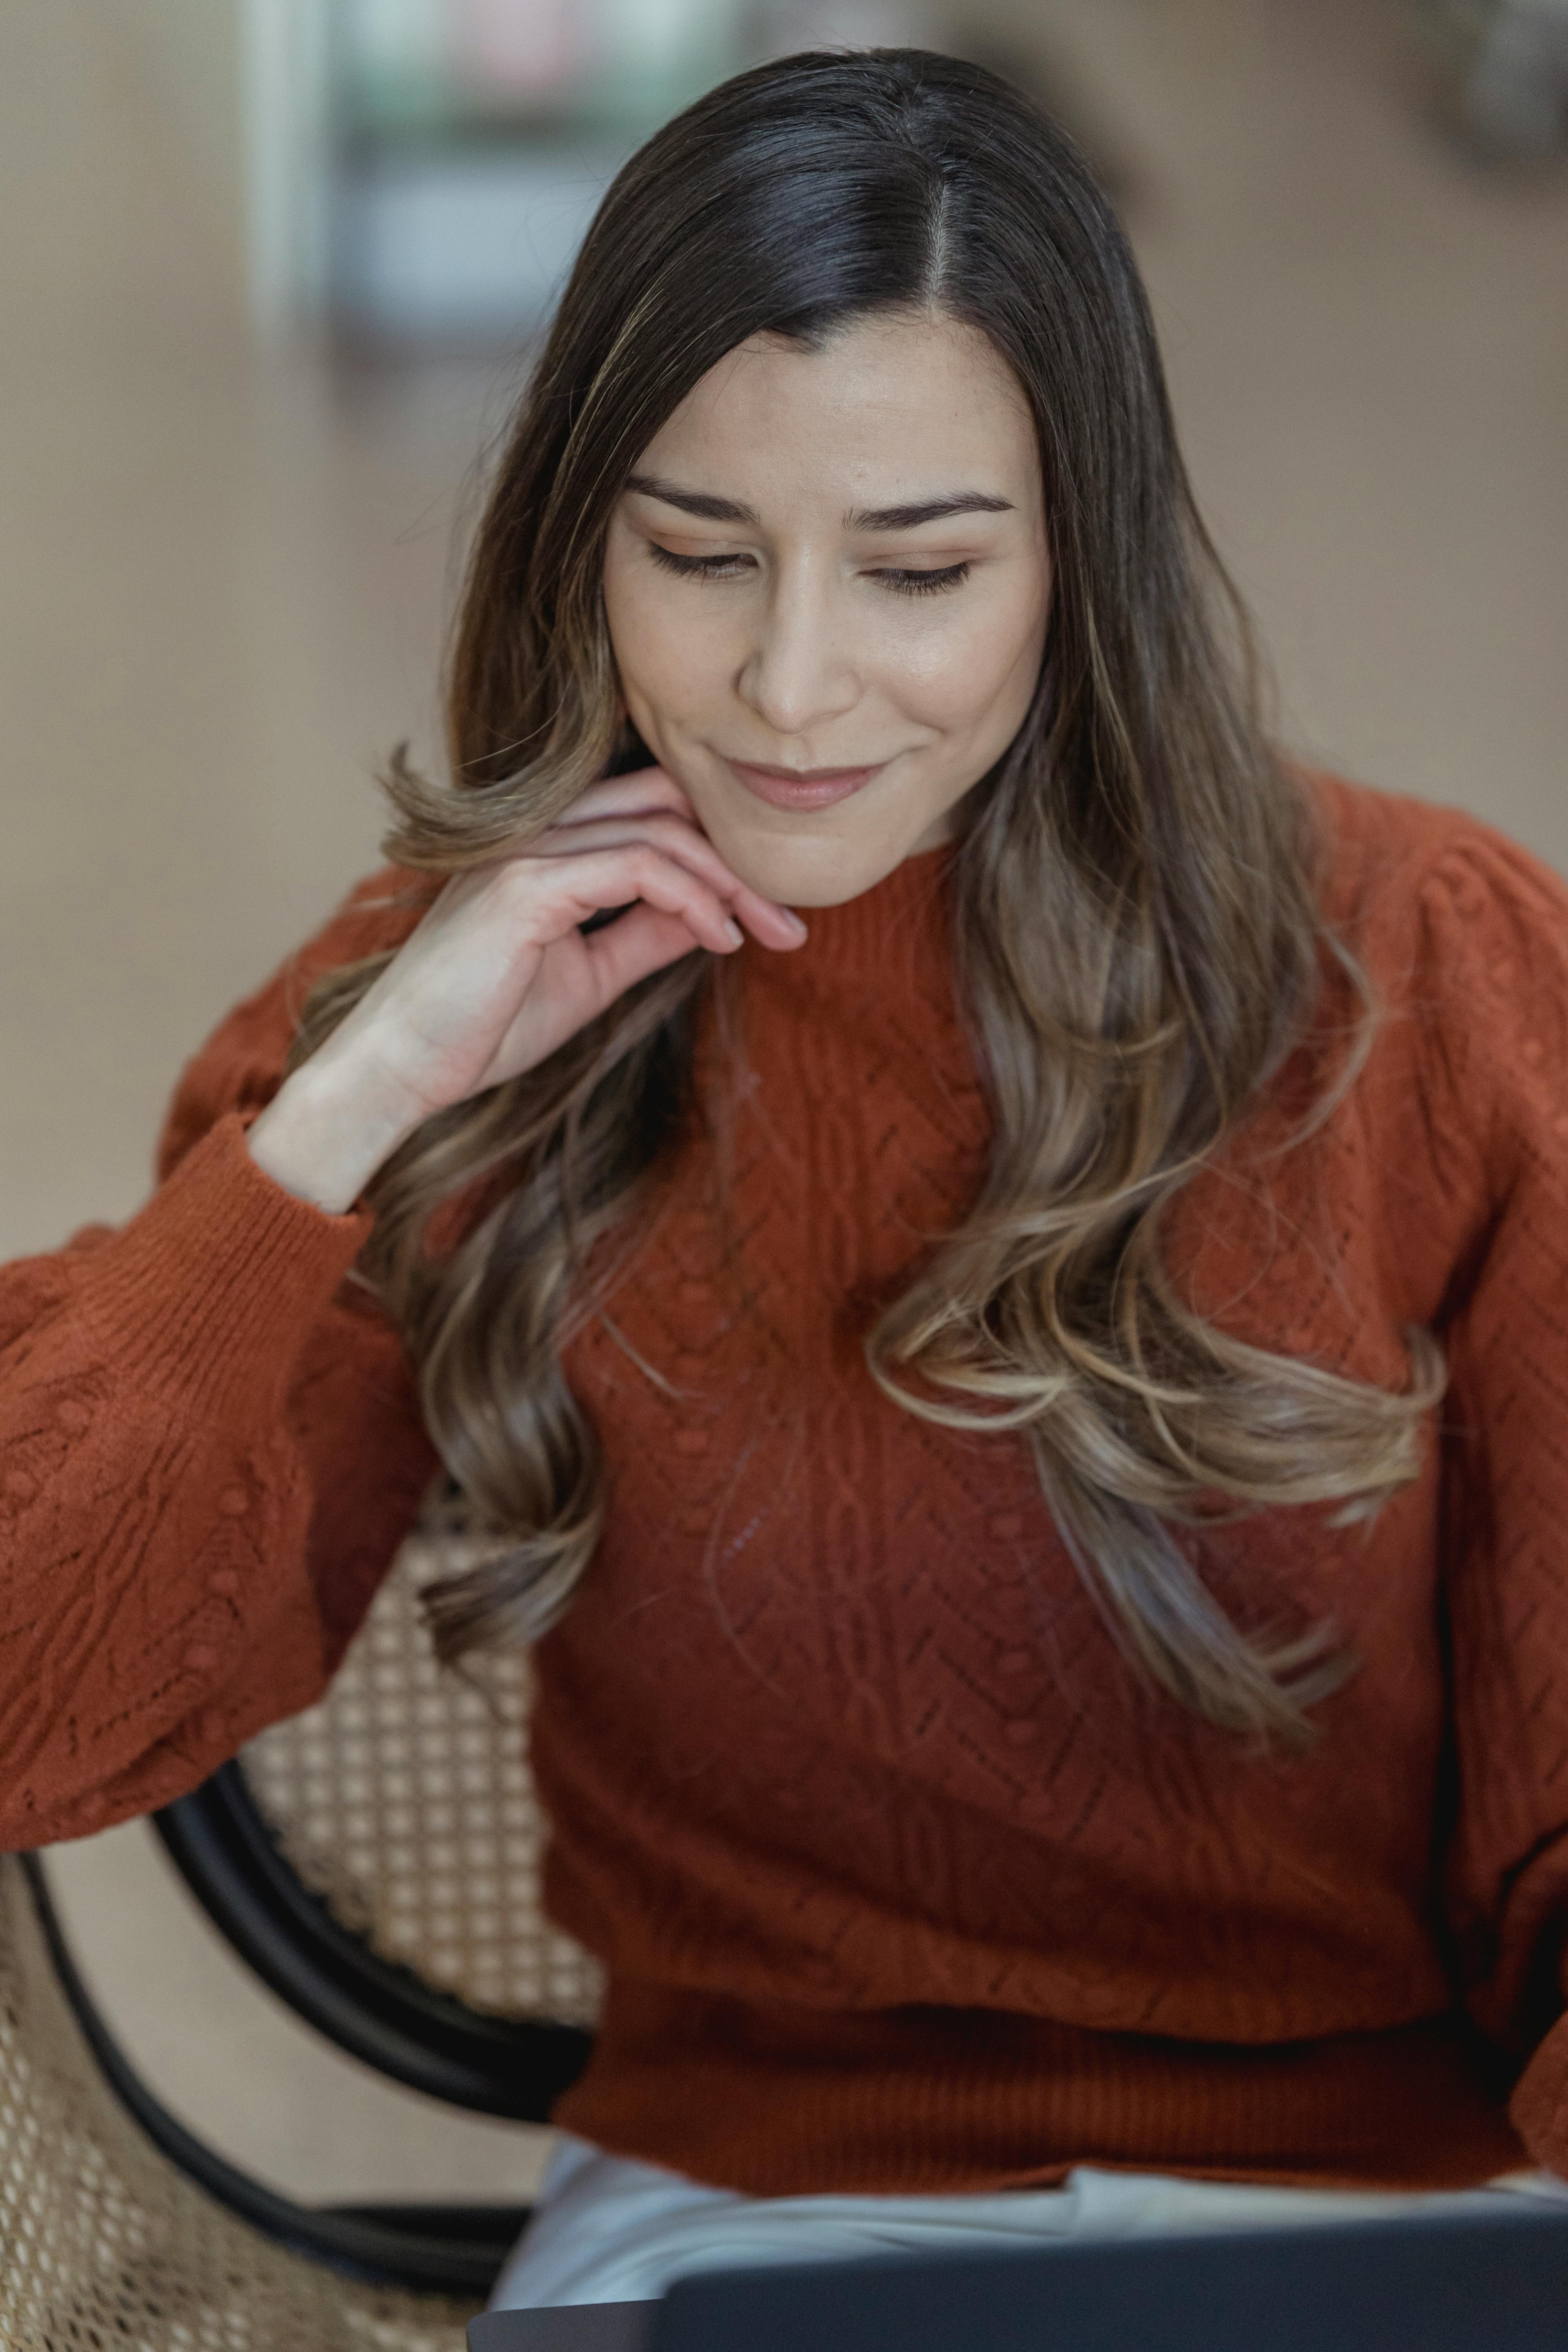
1136	916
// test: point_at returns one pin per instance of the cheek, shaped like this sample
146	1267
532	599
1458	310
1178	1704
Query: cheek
665	657
974	670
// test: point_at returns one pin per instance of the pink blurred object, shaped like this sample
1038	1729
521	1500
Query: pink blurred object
522	48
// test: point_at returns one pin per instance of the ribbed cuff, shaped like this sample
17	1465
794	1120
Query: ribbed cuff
215	1284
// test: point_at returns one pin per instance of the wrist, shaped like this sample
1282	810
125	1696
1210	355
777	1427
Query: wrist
323	1137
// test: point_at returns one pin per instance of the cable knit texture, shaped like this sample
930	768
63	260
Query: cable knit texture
902	1880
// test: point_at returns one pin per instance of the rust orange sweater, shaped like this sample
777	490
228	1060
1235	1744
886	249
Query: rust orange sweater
900	1880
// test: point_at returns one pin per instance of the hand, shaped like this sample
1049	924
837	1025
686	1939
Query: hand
500	974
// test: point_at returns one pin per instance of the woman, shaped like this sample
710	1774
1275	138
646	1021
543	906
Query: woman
1023	1411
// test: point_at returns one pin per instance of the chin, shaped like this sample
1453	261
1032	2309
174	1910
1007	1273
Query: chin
811	869
813	860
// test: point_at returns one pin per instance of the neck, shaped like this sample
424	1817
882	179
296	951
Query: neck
888	934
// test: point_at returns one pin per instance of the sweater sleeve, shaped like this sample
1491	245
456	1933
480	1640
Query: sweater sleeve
1493	964
210	1448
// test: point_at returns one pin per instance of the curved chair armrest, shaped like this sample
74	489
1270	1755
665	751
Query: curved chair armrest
374	2008
454	2252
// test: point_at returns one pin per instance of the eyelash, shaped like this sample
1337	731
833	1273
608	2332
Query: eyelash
902	584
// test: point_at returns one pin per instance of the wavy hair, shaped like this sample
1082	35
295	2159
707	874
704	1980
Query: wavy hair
1137	924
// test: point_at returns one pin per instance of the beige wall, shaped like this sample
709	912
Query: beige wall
185	55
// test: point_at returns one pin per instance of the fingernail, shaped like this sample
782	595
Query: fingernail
793	920
733	932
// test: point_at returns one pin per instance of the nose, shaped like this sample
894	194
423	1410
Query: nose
800	670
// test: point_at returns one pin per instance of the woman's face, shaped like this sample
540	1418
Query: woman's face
827	584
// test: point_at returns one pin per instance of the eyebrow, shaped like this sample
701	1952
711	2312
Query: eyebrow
709	508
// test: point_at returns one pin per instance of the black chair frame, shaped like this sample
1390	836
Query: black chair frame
513	2067
453	2250
379	2012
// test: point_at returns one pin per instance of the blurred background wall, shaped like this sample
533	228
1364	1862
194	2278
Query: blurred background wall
269	272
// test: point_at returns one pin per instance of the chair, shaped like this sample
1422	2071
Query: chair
375	1860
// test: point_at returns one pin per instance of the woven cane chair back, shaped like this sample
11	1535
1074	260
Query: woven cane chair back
104	2242
404	1802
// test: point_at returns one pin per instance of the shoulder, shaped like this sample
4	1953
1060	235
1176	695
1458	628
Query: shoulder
240	1065
1392	864
1462	936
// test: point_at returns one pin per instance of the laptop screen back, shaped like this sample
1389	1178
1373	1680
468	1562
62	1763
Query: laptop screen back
1464	2284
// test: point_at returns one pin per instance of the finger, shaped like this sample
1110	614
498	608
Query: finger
670	832
650	791
599	969
643	941
646	790
556	893
774	925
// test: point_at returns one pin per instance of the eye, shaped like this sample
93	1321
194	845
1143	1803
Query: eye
902	582
924	583
697	567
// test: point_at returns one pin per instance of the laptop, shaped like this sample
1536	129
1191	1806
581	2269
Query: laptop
1466	2284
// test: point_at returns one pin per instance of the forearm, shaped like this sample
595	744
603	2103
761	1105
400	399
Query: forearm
156	1600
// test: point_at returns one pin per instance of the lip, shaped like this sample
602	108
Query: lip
802	788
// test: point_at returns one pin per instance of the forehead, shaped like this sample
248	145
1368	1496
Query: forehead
883	410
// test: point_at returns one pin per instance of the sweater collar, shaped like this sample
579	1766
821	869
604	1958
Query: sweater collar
891	931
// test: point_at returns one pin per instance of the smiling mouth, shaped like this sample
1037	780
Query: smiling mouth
802	788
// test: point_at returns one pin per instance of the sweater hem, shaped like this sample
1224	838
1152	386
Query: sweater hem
929	2101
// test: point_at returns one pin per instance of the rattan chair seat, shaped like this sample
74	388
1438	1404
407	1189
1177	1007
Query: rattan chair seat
103	2241
405	1801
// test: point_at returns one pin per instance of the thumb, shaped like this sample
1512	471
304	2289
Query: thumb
642	941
